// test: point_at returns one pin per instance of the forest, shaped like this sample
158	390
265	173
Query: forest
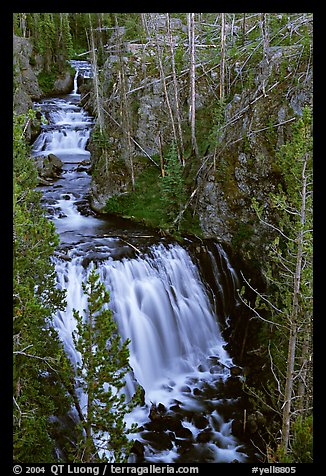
192	131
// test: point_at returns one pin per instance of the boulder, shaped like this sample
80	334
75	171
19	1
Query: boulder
235	371
49	166
160	441
138	448
183	433
164	423
200	421
204	436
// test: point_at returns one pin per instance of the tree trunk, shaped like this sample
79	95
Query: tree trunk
95	80
294	318
162	74
222	65
144	23
176	94
243	28
125	111
304	362
90	384
161	153
192	110
264	32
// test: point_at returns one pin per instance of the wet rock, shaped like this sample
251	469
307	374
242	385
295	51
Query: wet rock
214	359
183	433
183	445
237	428
216	369
201	368
200	421
186	389
156	411
164	423
64	83
49	166
176	408
196	391
158	440
204	436
43	181
138	448
233	386
161	408
235	371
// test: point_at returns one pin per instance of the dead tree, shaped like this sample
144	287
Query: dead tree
192	77
125	107
176	93
163	79
222	64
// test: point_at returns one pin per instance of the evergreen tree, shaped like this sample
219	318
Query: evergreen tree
289	277
101	374
37	390
172	184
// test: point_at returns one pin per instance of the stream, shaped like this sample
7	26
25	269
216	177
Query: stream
159	299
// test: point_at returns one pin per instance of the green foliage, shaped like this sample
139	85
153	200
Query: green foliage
290	252
144	205
302	443
100	138
46	80
101	374
37	390
301	448
218	119
179	58
242	236
172	185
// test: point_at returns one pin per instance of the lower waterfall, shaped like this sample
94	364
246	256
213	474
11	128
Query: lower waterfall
171	306
176	352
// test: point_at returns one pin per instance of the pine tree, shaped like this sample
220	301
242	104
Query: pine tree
289	277
172	185
101	374
37	390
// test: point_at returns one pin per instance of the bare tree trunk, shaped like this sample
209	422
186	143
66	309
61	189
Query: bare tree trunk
125	110
161	153
304	361
243	28
294	319
222	65
144	23
176	94
89	408
163	79
192	110
264	31
22	23
95	80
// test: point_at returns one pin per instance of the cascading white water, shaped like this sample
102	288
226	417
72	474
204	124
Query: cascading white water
161	304
158	298
74	91
62	141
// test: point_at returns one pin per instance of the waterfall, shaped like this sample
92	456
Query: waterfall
159	298
74	92
162	306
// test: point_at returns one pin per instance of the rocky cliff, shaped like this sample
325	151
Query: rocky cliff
257	117
27	67
257	122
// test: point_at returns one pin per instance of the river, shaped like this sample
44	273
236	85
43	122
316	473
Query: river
158	297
